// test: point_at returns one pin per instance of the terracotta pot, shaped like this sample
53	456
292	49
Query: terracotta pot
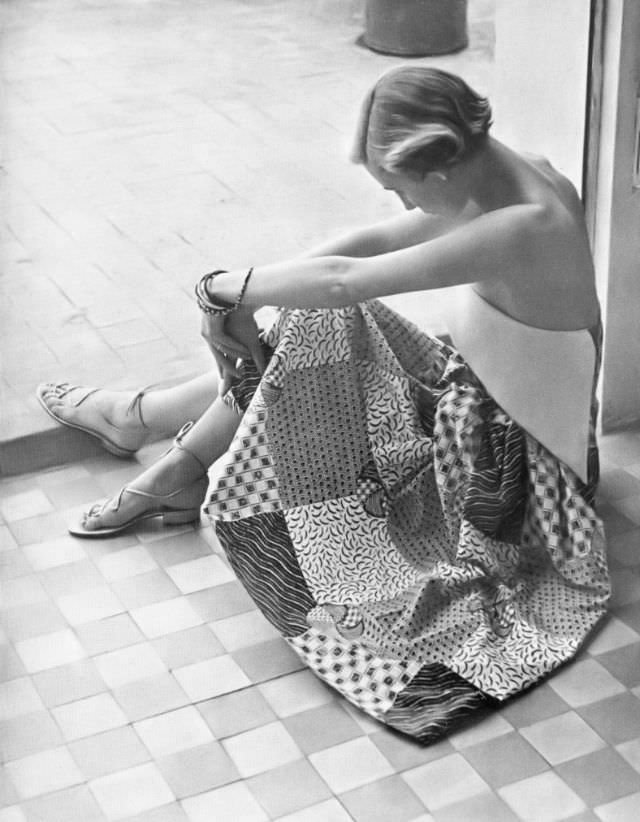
416	27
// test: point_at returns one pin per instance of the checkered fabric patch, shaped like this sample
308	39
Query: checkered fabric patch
366	488
351	618
373	497
341	618
453	426
247	483
453	413
321	617
568	524
272	384
368	681
276	371
582	526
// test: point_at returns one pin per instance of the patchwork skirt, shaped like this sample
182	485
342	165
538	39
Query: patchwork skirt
419	551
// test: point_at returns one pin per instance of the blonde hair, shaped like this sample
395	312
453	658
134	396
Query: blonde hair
420	119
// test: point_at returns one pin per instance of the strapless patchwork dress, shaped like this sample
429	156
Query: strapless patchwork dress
417	518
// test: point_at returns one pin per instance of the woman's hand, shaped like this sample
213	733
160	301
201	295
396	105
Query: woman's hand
220	345
230	338
241	327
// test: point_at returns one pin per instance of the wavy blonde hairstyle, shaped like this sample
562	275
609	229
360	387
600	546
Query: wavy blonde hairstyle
420	119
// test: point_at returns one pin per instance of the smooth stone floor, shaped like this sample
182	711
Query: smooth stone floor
139	683
148	141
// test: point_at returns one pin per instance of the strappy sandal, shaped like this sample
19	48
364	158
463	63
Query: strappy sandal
60	390
166	506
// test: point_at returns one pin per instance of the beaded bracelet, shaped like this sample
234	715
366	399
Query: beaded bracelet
218	308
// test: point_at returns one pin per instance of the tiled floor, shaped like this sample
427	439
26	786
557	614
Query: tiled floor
140	683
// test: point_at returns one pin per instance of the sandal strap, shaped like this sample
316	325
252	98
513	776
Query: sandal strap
64	388
135	406
128	489
98	508
61	389
177	443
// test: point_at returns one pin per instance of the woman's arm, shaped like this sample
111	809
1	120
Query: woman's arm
402	231
237	336
501	244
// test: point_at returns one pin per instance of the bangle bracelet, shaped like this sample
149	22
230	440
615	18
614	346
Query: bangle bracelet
204	296
205	303
218	307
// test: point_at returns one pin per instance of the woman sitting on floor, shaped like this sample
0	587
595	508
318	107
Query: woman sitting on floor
415	518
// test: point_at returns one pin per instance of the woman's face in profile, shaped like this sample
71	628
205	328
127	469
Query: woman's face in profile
430	193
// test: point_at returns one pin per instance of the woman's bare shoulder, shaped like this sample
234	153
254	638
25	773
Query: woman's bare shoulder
559	184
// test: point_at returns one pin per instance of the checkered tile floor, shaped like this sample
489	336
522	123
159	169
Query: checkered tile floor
140	683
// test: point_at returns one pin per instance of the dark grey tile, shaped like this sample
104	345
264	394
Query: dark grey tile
404	752
198	769
236	712
539	702
221	602
185	647
505	759
320	728
289	788
481	808
178	548
616	719
267	660
600	777
623	663
379	800
29	734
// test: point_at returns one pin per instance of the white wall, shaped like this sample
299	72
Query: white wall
539	97
540	81
617	236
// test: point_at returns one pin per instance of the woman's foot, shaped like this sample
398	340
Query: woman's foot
174	488
133	505
113	417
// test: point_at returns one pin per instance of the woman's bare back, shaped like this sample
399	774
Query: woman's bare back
559	292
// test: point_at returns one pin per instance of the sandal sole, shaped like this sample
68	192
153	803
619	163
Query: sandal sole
168	518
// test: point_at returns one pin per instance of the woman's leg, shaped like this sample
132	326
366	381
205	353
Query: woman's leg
180	469
165	410
129	419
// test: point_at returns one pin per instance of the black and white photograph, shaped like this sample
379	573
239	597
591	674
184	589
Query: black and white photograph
320	410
